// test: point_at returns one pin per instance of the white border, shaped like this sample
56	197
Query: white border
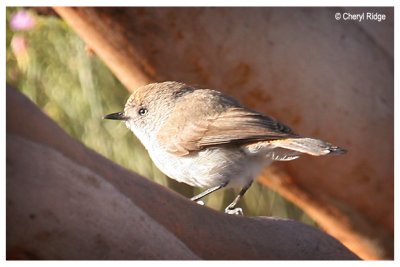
192	3
201	3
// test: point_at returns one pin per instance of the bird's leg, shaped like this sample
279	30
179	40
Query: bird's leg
231	207
207	192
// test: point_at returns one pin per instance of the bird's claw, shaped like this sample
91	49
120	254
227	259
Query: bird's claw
234	211
200	202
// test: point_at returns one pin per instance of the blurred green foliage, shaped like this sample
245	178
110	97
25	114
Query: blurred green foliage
75	89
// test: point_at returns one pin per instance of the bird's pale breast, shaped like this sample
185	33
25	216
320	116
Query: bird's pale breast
210	166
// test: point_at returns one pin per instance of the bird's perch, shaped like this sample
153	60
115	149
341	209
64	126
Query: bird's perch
64	201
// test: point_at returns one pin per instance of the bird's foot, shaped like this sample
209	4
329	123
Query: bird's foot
200	202
234	211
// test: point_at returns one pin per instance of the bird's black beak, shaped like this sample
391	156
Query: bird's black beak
116	116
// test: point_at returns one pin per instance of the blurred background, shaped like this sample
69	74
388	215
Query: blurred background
49	63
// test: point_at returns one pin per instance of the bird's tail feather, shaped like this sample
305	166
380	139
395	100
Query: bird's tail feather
309	146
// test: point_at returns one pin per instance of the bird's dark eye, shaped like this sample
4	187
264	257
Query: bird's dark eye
142	111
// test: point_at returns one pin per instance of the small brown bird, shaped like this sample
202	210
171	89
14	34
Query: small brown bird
204	138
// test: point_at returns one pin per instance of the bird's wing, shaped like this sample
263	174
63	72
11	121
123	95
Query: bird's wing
187	131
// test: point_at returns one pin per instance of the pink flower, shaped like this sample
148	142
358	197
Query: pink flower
20	49
22	20
18	45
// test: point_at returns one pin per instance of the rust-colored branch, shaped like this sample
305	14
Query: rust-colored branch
351	230
109	41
